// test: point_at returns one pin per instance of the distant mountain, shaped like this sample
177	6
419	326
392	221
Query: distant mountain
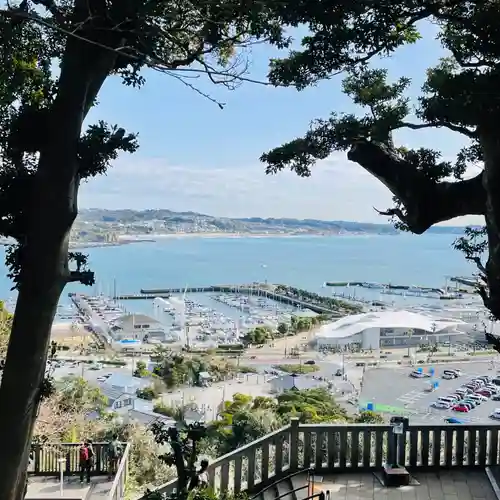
168	220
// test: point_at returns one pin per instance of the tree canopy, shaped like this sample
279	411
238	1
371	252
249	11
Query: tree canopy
55	56
460	94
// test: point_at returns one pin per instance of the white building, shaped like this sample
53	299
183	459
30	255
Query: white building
137	327
388	328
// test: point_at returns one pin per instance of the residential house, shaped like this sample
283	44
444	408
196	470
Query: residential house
118	401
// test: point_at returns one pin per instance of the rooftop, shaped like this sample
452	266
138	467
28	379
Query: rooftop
356	323
130	320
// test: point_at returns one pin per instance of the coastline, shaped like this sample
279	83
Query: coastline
153	238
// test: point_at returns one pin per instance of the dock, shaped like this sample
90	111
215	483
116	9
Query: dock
165	293
100	329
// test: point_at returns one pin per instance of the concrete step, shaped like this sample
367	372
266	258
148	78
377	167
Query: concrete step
285	490
300	481
270	494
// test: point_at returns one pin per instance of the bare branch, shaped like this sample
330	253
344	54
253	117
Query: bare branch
455	128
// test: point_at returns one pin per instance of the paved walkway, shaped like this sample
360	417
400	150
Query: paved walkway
50	487
444	485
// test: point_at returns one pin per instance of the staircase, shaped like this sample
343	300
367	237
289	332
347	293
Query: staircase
298	486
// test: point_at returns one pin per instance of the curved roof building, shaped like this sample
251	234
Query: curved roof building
369	328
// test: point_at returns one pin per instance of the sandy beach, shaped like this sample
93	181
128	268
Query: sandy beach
70	334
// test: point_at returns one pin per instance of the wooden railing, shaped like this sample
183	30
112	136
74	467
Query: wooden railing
47	456
351	447
117	491
47	463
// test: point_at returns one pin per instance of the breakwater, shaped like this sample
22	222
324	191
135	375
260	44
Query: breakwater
381	286
446	292
149	294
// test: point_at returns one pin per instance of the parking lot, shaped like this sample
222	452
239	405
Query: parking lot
395	388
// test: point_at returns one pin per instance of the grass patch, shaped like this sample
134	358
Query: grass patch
247	369
301	369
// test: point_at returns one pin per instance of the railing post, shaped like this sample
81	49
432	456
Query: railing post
294	444
38	451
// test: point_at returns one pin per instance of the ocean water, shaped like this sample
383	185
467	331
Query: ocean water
305	262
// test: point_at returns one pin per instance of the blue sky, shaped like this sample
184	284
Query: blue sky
194	156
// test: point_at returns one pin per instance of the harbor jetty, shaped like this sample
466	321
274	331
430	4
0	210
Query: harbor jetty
279	293
445	293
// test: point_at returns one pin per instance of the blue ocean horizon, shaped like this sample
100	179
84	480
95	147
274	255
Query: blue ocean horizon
304	262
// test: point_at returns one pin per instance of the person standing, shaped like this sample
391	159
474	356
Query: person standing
86	454
114	454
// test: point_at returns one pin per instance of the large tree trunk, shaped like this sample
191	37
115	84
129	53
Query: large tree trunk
44	272
25	367
490	143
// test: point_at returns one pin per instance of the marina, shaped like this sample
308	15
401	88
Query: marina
255	289
181	319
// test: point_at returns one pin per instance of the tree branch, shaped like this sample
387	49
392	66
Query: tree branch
455	128
83	277
426	202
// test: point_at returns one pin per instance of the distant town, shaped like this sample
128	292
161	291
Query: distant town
101	227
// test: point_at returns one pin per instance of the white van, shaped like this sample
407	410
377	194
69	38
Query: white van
478	397
450	400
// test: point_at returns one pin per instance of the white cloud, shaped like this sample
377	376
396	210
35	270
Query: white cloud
338	189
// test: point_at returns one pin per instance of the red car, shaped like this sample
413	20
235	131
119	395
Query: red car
485	392
461	408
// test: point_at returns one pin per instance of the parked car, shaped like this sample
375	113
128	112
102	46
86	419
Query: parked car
470	402
485	393
496	397
496	414
478	397
451	400
441	405
453	420
461	408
